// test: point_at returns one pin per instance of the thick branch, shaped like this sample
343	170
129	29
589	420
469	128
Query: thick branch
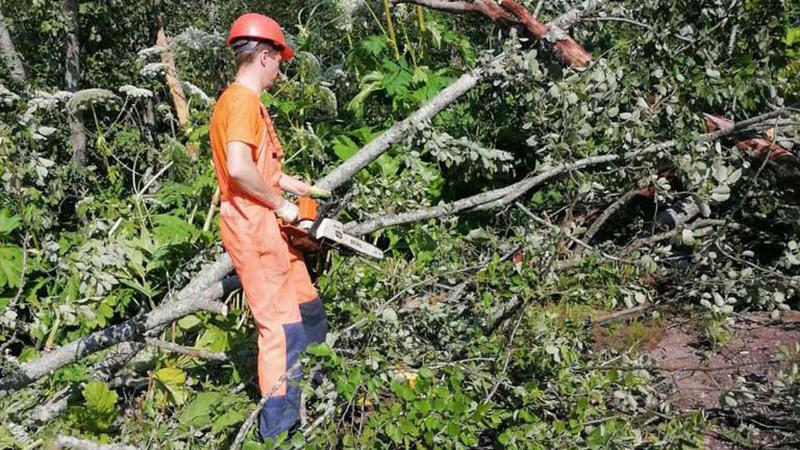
489	8
567	49
495	198
173	82
10	55
65	442
393	135
609	211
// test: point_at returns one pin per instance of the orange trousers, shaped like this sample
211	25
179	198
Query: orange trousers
287	310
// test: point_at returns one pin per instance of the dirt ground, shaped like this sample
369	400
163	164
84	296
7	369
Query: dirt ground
696	377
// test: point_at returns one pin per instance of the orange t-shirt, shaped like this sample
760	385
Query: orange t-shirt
240	116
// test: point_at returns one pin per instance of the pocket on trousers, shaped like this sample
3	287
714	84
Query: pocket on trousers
272	249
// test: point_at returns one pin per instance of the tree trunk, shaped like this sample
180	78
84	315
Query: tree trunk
72	77
10	55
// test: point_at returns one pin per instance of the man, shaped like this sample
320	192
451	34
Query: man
247	159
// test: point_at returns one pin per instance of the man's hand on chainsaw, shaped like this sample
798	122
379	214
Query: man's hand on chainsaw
288	211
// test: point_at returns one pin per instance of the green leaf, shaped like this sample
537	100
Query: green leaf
173	380
99	397
171	375
214	339
198	413
8	222
374	45
344	147
10	266
188	322
227	420
396	79
173	230
792	36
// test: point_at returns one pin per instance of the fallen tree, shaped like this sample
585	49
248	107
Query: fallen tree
201	293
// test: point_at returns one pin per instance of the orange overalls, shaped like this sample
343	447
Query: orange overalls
284	303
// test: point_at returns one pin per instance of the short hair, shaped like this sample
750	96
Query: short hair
248	55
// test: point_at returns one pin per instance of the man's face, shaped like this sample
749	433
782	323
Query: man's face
270	61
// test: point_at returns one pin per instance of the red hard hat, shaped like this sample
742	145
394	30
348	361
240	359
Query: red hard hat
260	27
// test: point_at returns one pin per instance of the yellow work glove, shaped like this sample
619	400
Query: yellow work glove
318	192
288	211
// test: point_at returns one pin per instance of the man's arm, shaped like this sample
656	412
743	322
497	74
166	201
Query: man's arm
244	173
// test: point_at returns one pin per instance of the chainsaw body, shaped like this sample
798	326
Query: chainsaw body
323	230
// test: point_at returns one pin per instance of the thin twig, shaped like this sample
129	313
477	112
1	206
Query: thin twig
154	178
189	351
508	360
567	235
614	207
691	368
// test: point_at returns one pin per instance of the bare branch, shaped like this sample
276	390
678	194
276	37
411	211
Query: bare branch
608	212
699	225
173	82
488	8
189	351
567	49
393	135
72	77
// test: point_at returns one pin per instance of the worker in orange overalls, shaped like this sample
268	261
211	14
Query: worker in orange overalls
247	158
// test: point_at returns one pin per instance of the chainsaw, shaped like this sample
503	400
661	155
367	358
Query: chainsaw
323	230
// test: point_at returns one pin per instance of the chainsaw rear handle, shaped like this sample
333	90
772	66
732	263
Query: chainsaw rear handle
308	209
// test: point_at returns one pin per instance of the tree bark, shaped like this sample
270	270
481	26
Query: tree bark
173	82
567	49
10	55
72	77
69	442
